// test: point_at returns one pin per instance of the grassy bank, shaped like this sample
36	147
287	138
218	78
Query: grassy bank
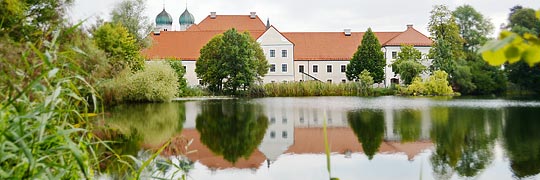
315	88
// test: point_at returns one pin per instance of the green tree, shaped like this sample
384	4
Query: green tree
368	57
31	20
180	72
231	128
121	48
474	27
130	13
407	64
366	82
368	125
230	62
477	77
447	51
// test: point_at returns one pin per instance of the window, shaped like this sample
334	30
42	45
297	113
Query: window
272	53
301	68
283	67
343	68
343	80
329	81
301	119
315	68
284	120
272	120
272	67
328	68
283	53
394	54
284	134
200	82
272	134
185	68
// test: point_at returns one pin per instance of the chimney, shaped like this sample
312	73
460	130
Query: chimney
409	26
212	15
347	32
252	15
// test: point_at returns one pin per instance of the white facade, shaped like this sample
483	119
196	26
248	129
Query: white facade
325	71
279	52
391	55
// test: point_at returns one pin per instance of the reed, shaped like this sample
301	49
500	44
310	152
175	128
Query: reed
315	88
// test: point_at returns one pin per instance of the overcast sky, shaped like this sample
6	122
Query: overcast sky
313	15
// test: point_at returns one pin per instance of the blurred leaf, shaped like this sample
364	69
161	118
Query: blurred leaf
494	58
512	53
532	55
538	14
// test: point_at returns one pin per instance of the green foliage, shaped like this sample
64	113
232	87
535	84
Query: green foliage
156	83
408	65
368	57
487	79
448	46
474	27
31	20
366	82
121	48
436	85
180	72
368	125
130	13
230	62
232	129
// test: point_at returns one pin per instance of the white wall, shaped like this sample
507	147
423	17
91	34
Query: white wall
389	74
273	40
336	75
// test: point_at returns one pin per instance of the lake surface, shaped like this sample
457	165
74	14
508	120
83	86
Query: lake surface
370	138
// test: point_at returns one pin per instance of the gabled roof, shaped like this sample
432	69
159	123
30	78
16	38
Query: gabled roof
410	37
225	22
183	45
330	45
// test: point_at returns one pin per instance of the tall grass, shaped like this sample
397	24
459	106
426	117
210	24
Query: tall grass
315	88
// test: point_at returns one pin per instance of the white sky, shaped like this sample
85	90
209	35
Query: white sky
313	15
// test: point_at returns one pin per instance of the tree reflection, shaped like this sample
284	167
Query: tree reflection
408	123
154	122
231	128
464	140
368	125
522	141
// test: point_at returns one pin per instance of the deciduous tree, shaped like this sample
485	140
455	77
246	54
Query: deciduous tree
121	48
231	61
130	13
407	64
368	57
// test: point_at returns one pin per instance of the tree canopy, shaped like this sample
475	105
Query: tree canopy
231	61
368	57
120	46
407	64
130	13
447	47
474	27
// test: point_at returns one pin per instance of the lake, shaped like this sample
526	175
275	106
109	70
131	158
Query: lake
370	138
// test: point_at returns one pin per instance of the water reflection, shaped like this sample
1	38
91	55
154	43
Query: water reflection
368	125
231	128
441	139
153	122
522	141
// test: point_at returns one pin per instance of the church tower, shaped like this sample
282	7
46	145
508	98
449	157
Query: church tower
163	21
186	20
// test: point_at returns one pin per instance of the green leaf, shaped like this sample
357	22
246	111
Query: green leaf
494	58
538	14
532	55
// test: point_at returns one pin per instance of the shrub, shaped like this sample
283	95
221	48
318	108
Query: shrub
156	83
180	72
436	85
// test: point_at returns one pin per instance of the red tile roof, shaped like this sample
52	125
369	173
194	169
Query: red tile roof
184	45
410	37
225	22
330	45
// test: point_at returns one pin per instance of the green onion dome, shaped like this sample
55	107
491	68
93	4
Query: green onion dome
163	18
186	18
